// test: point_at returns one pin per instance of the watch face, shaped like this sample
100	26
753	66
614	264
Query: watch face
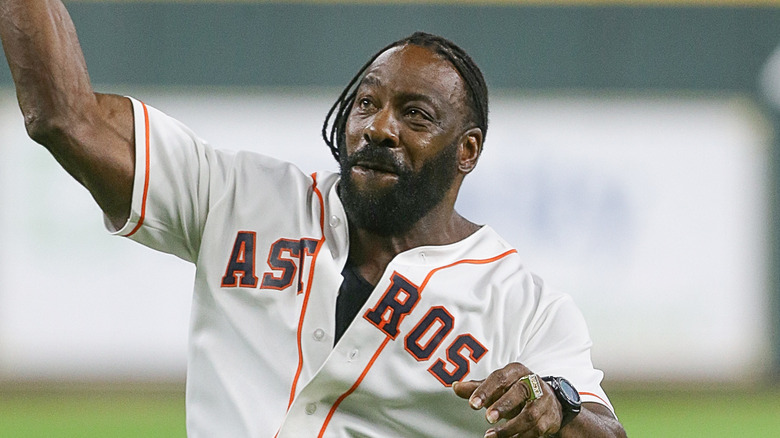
569	391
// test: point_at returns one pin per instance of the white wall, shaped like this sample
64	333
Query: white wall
651	210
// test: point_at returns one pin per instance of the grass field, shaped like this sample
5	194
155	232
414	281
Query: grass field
112	414
708	414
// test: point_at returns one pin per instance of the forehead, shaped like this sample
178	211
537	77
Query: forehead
416	70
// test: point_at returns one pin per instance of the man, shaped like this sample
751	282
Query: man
381	308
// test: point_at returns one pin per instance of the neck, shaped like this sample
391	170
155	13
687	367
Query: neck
370	253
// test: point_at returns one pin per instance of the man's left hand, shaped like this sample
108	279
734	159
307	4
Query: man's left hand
504	396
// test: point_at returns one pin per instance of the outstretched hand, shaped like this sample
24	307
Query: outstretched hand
505	397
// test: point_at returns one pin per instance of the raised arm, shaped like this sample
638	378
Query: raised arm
90	134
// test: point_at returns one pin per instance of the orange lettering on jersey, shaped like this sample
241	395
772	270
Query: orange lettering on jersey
436	316
282	260
242	262
397	302
456	358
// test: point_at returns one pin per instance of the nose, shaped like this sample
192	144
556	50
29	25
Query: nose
383	129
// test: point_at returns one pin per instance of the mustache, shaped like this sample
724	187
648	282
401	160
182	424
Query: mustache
376	157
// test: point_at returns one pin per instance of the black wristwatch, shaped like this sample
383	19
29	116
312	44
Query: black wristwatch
567	395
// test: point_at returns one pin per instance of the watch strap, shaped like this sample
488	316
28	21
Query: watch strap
569	407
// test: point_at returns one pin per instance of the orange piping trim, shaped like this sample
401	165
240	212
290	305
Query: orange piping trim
146	172
354	386
470	261
594	395
307	294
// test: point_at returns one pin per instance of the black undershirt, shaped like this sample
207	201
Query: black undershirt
353	293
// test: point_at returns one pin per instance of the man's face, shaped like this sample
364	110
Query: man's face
402	137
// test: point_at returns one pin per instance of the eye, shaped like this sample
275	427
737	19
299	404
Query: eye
417	114
365	103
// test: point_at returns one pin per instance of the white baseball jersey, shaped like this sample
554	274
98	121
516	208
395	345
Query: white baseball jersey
270	244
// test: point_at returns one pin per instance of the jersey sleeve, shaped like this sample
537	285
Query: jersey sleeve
560	345
174	170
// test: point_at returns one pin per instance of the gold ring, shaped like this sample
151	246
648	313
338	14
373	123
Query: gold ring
534	386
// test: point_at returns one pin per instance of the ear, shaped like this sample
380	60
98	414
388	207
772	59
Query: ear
469	149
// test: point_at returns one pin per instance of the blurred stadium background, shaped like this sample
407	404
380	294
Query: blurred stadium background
632	158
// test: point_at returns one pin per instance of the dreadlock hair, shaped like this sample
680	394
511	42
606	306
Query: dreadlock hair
335	121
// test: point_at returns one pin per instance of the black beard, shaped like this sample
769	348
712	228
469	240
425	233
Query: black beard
394	210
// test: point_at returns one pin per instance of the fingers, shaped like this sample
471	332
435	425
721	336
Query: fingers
509	404
535	420
465	389
506	397
498	383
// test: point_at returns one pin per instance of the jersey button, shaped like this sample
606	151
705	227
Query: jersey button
353	355
318	334
311	408
334	221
